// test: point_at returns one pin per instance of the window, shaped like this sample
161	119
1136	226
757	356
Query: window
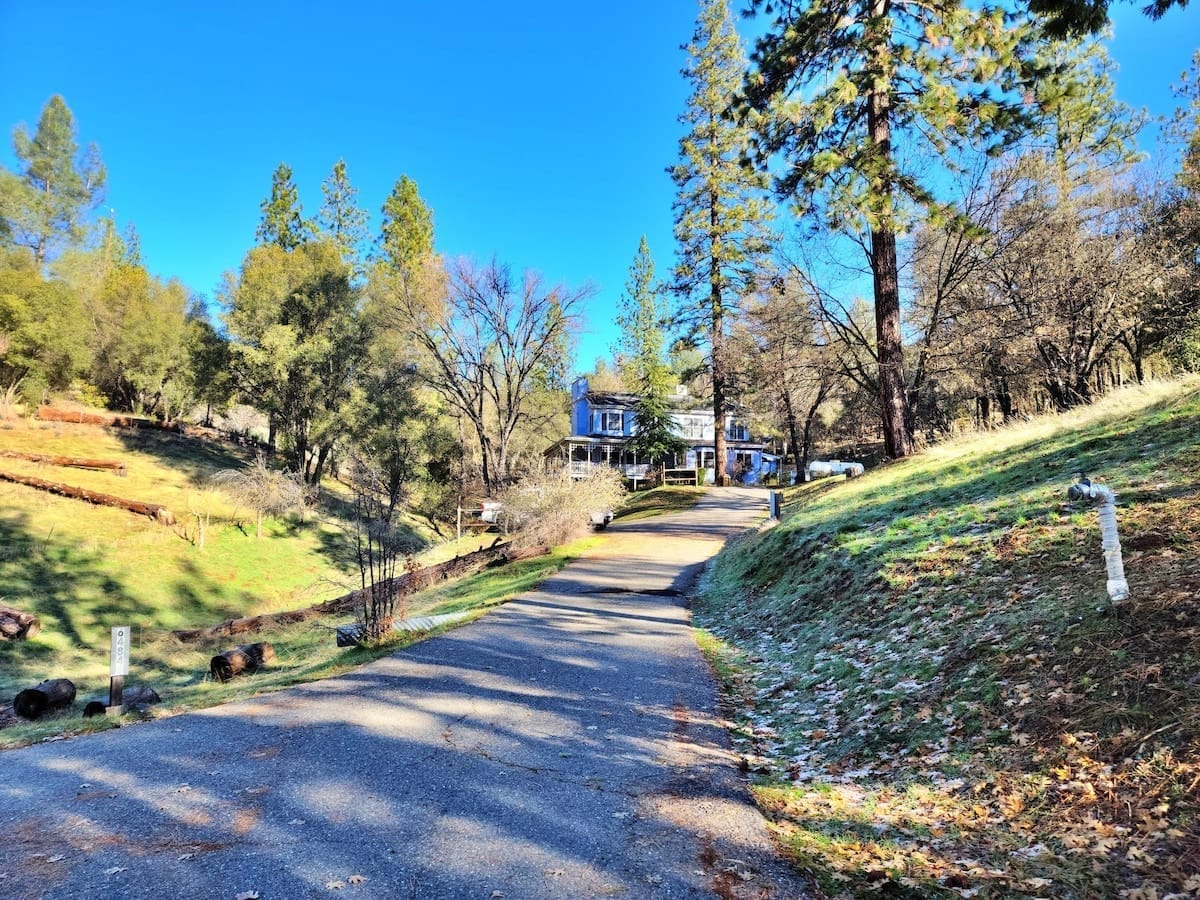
690	427
738	432
611	422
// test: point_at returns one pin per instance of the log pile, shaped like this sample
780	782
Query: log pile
159	513
16	625
111	420
54	693
244	660
409	583
73	462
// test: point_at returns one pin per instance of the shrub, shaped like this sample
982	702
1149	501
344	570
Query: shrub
551	507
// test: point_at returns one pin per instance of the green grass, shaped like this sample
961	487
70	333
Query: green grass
943	621
658	501
83	569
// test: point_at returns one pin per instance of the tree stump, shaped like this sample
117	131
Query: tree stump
243	660
16	625
54	693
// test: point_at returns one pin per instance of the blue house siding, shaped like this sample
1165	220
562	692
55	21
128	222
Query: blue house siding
601	423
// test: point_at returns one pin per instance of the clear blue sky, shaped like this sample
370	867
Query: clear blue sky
539	132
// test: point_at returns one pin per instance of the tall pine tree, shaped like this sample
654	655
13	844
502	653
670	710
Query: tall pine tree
340	218
845	94
720	210
642	344
44	206
282	222
407	234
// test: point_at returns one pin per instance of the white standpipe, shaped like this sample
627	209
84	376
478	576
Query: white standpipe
1118	587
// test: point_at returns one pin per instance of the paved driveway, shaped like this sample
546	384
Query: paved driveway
564	746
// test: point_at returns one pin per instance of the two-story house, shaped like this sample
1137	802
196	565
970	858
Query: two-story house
602	423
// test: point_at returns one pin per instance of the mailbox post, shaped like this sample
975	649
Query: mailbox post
117	670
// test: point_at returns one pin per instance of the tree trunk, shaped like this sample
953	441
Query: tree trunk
793	436
322	456
893	397
159	513
811	417
56	693
720	450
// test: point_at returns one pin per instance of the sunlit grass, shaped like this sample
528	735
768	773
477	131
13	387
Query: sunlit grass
659	500
943	619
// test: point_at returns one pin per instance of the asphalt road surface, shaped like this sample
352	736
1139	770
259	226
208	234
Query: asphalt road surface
566	745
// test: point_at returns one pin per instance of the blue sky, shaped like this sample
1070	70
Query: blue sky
538	132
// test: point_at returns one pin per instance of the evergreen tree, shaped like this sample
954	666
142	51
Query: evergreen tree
407	232
840	90
399	427
720	212
45	205
642	343
296	342
282	222
340	219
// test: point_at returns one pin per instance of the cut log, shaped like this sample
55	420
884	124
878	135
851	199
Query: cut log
94	708
73	462
16	625
244	660
54	693
159	513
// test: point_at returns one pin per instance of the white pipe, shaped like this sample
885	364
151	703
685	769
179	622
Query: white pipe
1118	587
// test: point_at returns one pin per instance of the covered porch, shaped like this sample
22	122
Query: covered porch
583	454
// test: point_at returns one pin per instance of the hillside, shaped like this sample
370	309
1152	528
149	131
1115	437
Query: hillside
932	687
83	568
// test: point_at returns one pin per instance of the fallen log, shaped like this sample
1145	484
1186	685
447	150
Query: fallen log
54	693
244	660
111	420
16	625
72	462
160	514
402	585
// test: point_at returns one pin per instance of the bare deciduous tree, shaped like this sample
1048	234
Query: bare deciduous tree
484	338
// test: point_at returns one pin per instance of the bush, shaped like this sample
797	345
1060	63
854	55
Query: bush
550	507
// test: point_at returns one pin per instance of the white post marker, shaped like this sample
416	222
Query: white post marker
118	668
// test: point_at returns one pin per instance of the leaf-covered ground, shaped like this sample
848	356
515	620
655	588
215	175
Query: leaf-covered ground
933	688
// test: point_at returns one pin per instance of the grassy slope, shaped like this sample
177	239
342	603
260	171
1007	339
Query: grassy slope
934	687
83	569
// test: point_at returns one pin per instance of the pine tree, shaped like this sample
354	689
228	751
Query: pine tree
340	219
642	343
720	211
407	232
282	222
45	205
841	90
